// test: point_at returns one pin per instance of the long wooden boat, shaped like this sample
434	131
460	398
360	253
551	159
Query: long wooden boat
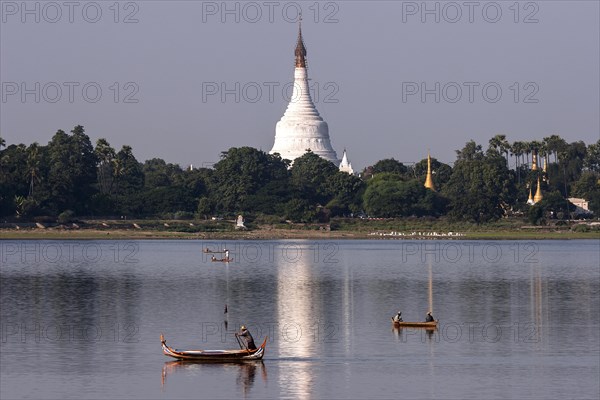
208	251
221	259
405	324
214	355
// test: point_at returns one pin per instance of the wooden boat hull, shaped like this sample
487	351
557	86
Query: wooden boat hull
214	355
426	325
222	260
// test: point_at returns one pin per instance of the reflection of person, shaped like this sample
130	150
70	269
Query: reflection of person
397	317
246	377
429	317
246	337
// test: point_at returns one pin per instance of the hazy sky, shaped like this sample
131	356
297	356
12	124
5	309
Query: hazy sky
185	80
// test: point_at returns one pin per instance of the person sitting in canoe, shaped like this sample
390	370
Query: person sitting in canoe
429	317
397	317
245	335
213	258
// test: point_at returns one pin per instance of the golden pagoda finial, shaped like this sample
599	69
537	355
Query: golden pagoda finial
530	199
538	193
300	51
534	160
428	180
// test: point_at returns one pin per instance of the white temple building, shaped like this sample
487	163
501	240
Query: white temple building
345	165
302	128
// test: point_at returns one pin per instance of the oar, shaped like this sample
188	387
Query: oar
239	343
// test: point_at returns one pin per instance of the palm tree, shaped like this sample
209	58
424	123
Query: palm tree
33	166
528	149
518	149
555	144
106	156
535	150
500	144
2	142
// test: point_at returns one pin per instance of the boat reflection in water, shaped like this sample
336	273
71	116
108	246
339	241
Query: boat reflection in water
246	371
404	333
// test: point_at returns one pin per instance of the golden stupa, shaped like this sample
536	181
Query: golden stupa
538	193
428	180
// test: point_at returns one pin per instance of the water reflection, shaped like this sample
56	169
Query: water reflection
536	301
404	333
533	324
298	302
245	379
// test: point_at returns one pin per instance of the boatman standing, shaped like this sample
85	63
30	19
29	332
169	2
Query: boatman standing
245	335
429	317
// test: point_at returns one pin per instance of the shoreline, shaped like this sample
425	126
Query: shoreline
281	234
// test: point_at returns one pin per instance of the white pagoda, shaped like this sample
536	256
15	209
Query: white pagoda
346	165
302	128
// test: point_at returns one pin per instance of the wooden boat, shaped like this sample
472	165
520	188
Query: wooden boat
214	355
221	259
208	251
405	324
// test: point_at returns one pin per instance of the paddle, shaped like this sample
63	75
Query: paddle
240	343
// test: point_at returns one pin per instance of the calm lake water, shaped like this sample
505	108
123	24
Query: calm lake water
82	319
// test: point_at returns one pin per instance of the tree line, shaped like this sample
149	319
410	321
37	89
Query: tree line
69	174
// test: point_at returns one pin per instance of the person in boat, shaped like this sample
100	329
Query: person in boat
226	254
429	317
245	335
397	317
213	258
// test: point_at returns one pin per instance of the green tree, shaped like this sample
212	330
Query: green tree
500	145
592	157
389	165
105	155
310	179
72	173
13	182
129	182
299	210
588	188
387	195
518	150
480	188
347	193
554	145
240	176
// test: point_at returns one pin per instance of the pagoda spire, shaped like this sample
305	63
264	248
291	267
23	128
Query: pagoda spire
428	180
345	165
301	126
300	51
538	193
530	199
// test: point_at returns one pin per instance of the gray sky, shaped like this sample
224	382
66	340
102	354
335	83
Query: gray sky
179	79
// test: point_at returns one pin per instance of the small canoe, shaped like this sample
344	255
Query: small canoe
221	259
214	355
208	251
426	325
